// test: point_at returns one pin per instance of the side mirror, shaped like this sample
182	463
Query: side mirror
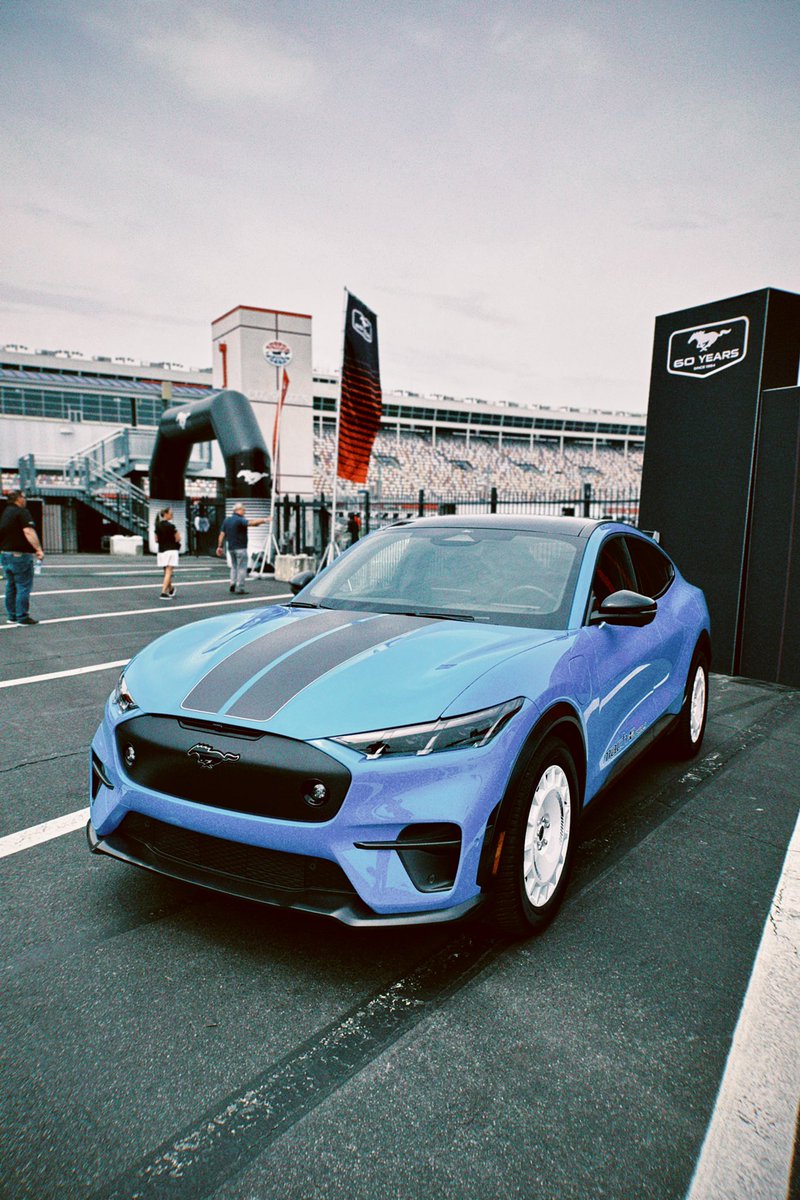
299	582
625	608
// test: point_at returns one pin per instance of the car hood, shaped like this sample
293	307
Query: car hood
312	673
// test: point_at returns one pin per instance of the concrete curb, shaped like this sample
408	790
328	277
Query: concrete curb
749	1143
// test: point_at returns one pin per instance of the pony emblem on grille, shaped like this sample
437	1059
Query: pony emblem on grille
207	756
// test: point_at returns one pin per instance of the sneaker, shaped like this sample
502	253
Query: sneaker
12	621
26	621
232	588
241	592
165	596
172	591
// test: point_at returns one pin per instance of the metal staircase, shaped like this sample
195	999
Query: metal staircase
97	475
109	493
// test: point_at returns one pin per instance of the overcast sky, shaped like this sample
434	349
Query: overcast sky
517	189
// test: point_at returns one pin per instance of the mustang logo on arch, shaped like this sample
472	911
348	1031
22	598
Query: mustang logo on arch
251	478
207	756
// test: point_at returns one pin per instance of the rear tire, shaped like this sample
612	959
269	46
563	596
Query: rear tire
687	736
538	843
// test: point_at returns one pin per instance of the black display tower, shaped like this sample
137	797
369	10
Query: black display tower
710	366
770	627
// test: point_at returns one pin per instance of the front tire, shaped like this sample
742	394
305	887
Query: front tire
538	843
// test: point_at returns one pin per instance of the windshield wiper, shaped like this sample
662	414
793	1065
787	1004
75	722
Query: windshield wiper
438	616
301	604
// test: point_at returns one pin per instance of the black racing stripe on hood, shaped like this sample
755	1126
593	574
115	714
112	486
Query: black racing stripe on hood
210	694
308	663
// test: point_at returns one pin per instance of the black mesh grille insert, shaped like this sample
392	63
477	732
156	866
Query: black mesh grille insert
269	868
217	765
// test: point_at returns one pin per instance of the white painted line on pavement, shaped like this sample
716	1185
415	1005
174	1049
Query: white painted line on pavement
42	833
124	587
93	572
262	601
749	1142
9	683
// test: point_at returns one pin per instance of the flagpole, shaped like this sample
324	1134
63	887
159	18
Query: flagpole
273	545
330	551
272	541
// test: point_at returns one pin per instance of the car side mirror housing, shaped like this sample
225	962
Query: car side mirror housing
625	608
299	581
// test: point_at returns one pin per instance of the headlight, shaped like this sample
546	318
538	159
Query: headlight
450	733
122	697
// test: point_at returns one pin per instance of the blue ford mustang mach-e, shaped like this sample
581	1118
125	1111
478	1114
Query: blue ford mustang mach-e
417	732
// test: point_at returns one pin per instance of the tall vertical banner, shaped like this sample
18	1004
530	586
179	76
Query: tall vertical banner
361	401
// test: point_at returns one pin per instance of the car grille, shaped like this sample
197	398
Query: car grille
273	869
240	770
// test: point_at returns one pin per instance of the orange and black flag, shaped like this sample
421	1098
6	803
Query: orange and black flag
361	400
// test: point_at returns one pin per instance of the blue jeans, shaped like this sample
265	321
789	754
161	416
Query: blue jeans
18	569
238	569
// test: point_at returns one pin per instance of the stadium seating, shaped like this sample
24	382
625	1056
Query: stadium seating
400	466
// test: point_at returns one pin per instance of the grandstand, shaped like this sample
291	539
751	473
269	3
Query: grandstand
60	410
402	463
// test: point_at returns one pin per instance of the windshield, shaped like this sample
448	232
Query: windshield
504	576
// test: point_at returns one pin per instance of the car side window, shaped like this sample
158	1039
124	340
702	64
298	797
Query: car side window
613	573
654	571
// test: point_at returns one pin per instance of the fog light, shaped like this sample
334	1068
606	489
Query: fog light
315	793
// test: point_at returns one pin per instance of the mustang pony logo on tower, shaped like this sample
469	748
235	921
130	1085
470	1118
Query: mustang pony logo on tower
208	756
694	351
251	478
703	339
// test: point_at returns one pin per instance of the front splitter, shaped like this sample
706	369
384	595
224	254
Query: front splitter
327	904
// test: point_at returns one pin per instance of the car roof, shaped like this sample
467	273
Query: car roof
581	527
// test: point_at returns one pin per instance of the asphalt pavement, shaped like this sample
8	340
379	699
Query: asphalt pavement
160	1040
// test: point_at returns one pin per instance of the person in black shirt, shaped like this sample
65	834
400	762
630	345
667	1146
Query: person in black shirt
234	531
354	527
19	545
169	541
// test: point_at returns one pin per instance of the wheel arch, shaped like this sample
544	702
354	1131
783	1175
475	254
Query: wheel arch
703	646
560	720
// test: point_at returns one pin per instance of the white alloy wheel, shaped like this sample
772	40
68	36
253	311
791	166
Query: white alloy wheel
697	704
547	835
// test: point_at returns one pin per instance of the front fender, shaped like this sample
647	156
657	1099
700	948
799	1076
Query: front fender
561	720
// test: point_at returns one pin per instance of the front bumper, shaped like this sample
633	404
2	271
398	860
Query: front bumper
325	897
366	864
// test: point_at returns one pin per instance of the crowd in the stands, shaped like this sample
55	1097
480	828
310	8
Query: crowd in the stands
400	466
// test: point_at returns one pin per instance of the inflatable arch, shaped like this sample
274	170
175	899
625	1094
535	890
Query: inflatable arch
228	418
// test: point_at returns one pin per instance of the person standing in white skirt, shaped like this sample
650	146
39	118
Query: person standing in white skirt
169	544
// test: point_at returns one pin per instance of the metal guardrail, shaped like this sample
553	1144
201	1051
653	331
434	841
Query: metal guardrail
127	450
